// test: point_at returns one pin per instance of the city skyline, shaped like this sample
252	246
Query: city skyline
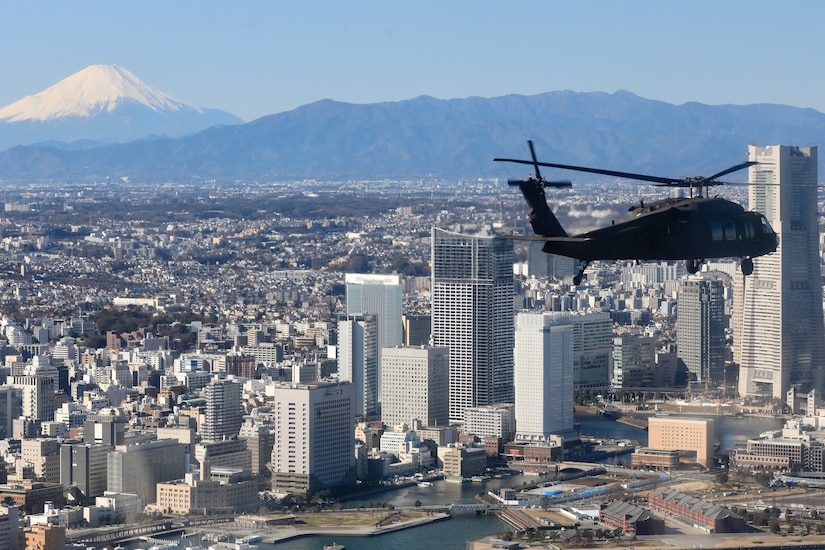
269	58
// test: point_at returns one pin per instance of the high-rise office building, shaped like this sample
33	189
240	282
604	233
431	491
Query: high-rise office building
779	339
84	467
38	395
416	386
542	264
472	315
544	377
224	415
358	360
700	332
314	437
379	295
592	346
137	469
634	361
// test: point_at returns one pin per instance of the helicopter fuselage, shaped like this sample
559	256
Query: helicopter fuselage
674	229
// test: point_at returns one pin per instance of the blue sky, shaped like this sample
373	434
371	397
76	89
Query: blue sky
254	58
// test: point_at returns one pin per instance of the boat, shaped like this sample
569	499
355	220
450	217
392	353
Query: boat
456	479
231	546
334	546
425	484
249	539
479	479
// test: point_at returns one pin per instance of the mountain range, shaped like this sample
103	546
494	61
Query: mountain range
422	137
102	104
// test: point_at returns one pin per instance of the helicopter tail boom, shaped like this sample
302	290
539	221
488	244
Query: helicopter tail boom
542	219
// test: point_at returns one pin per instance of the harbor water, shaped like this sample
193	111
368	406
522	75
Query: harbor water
454	533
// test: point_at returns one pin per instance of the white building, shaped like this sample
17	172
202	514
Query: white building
314	445
544	377
416	386
497	420
379	295
779	336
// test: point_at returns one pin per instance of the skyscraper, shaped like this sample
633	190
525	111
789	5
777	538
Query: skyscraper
379	295
224	415
416	386
314	445
592	346
701	329
779	339
472	314
544	377
358	360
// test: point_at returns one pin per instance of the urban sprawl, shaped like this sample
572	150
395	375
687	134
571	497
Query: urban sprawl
219	358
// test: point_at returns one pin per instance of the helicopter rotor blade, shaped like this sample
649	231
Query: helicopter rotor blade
657	180
535	160
629	175
730	170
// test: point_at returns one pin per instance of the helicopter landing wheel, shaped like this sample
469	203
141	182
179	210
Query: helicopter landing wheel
577	280
692	266
747	266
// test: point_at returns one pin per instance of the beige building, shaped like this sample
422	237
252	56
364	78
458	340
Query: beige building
218	490
686	434
462	462
44	456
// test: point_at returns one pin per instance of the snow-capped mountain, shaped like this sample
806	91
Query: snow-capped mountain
102	103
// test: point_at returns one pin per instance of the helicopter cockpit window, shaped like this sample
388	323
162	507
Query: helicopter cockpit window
730	231
716	231
766	227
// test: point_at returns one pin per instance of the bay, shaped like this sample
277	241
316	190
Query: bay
456	532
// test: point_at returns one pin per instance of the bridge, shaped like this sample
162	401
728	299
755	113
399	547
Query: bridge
101	536
478	509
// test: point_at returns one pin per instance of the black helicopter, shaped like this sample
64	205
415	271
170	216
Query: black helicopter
692	229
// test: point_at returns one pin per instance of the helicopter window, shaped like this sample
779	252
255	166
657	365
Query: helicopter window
766	227
730	231
716	231
747	227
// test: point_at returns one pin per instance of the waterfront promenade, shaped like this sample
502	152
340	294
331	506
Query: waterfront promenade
280	534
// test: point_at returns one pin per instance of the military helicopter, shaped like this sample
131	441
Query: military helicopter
693	228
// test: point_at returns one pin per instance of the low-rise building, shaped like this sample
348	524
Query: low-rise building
708	515
463	462
222	490
631	518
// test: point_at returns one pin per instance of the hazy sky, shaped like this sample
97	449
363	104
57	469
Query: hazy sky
254	58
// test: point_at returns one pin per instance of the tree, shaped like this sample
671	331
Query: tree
417	504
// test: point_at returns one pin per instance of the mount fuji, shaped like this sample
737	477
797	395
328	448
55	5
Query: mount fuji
102	104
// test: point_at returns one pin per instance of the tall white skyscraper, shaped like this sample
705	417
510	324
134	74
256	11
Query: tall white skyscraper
544	377
314	445
358	360
779	339
379	295
701	329
472	315
416	386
